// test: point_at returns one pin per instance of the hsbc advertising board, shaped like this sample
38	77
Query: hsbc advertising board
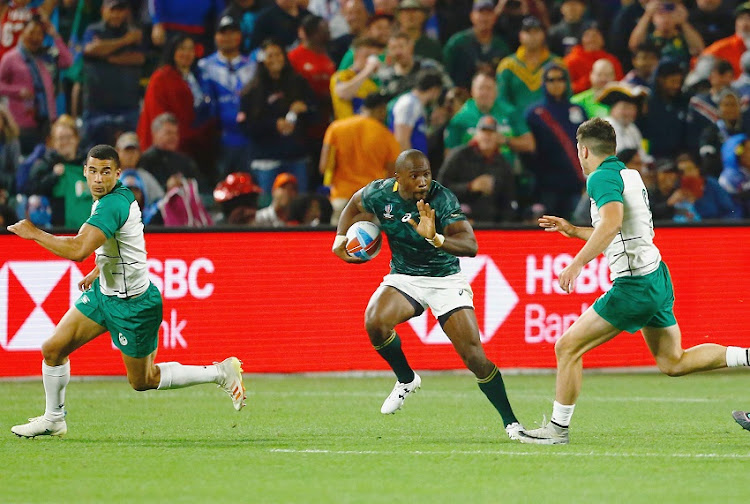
283	303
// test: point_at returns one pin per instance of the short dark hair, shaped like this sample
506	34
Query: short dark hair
103	151
598	136
722	66
647	47
428	78
311	24
366	42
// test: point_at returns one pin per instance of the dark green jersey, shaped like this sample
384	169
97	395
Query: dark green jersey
411	254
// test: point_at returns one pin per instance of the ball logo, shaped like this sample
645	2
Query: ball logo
34	296
494	299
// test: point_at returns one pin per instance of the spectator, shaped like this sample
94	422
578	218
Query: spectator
385	6
569	31
188	18
442	112
175	88
511	14
311	210
711	19
408	119
516	137
732	121
163	159
356	151
731	48
665	124
276	106
113	57
742	83
246	12
224	74
735	177
10	150
644	61
331	12
519	76
356	18
625	103
349	87
703	109
378	28
277	214
476	47
59	176
26	82
667	180
399	74
622	27
704	193
15	15
7	214
453	16
150	215
554	122
602	73
666	25
237	196
480	177
411	16
632	159
129	151
580	61
280	21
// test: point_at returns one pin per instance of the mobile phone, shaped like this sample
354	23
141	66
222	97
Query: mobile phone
668	6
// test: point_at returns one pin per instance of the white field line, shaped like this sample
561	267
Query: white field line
540	453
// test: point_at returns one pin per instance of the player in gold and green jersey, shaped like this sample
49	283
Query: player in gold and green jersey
641	297
427	232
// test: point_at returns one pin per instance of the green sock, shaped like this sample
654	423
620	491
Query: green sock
391	351
494	388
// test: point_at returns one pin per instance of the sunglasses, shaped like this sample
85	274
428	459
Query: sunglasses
554	79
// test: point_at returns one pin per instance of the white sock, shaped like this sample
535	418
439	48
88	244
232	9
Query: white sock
737	356
55	379
175	375
561	413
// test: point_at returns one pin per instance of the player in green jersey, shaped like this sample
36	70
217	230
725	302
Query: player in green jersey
118	297
427	232
641	296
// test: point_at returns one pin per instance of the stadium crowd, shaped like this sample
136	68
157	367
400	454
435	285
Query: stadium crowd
273	113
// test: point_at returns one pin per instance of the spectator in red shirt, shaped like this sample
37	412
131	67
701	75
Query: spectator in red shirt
582	57
310	60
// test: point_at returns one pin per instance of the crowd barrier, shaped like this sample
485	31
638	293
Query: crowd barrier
283	303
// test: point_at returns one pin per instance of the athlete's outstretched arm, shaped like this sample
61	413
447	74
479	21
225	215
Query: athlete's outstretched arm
552	223
353	211
458	238
75	248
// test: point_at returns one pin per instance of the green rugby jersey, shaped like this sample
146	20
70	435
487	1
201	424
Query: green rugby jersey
411	254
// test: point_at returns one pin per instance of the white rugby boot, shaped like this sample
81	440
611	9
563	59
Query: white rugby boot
550	434
40	426
231	371
514	430
396	398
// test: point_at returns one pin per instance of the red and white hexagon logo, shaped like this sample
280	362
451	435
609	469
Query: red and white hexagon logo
494	299
34	296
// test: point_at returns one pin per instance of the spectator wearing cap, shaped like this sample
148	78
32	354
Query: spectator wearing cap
666	25
356	151
26	82
480	177
644	61
356	17
246	13
187	17
399	74
163	159
554	121
378	28
732	121
625	103
237	196
712	19
580	61
277	214
665	125
742	83
602	73
704	107
567	33
280	21
129	150
731	48
476	47
515	136
519	76
408	118
224	74
350	86
411	16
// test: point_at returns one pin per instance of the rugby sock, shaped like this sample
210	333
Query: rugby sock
494	388
391	351
175	375
55	379
561	414
737	356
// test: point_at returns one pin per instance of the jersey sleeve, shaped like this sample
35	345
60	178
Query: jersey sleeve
604	186
448	209
110	214
368	193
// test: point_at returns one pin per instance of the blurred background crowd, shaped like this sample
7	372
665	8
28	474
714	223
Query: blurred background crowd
273	113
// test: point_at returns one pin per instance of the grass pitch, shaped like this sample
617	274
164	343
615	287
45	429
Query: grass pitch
635	438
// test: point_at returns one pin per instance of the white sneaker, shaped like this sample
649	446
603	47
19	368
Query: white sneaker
231	370
514	430
550	434
40	426
395	399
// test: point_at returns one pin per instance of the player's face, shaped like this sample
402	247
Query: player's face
583	158
101	176
414	181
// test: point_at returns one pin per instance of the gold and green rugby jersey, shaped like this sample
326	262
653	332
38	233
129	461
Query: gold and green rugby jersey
411	254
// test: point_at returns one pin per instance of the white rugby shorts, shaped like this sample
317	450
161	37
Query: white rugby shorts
441	294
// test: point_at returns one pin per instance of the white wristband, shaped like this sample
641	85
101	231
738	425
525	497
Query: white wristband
436	241
338	241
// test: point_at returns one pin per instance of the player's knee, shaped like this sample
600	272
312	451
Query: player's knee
671	367
563	348
377	328
140	383
52	353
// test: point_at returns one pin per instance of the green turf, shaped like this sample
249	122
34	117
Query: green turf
635	438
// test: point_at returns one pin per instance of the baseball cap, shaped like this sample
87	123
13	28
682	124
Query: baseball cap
483	5
743	8
410	5
531	22
235	184
228	22
487	123
115	3
283	179
128	140
666	166
379	14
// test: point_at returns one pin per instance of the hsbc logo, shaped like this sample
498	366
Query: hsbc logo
34	296
494	299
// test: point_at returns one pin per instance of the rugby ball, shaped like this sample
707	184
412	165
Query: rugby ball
363	240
